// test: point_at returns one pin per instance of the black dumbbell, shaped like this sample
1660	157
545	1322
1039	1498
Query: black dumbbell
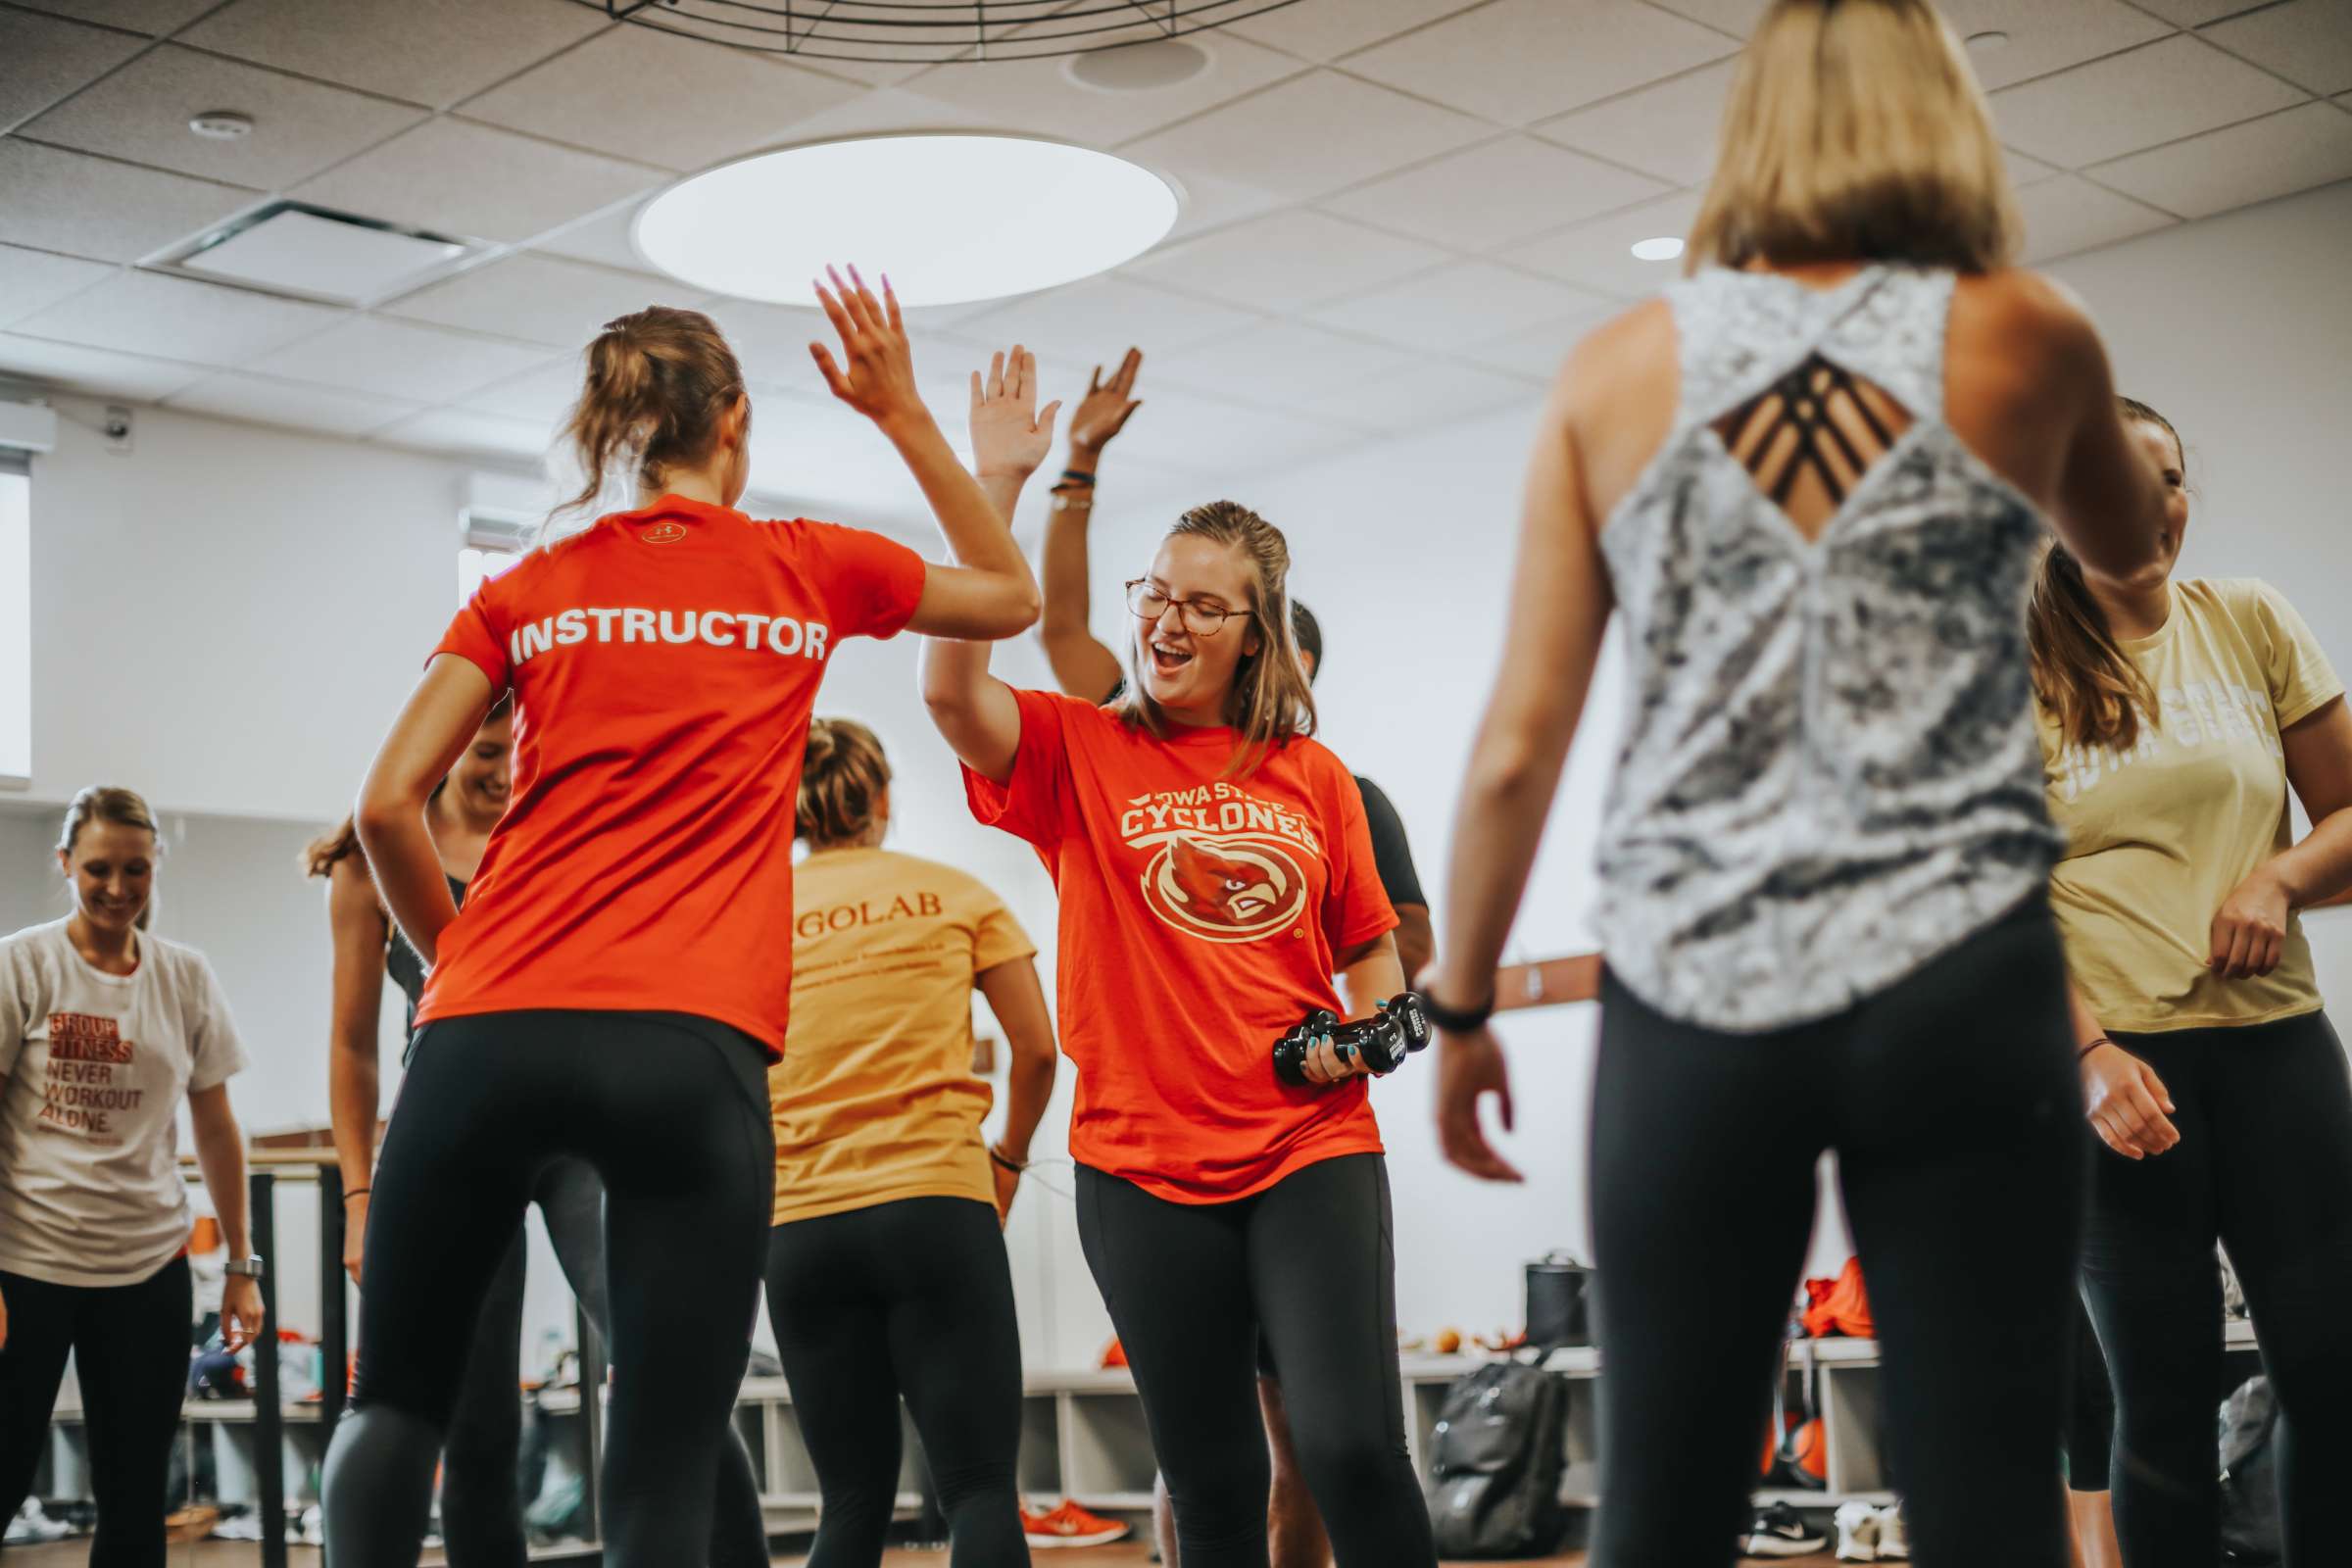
1394	1032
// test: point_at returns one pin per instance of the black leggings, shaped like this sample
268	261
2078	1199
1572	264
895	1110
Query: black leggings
130	1352
482	1506
2265	1164
914	1298
672	1111
1952	1101
2089	1412
1309	1264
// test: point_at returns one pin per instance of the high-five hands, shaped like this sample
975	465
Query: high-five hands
875	374
1011	434
1104	409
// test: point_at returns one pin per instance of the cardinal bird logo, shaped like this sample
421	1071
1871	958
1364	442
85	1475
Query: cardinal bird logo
1224	889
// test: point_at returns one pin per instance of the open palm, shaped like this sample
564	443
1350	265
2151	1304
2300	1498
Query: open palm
1010	437
1104	409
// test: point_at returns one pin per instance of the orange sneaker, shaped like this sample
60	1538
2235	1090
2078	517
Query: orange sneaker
1070	1526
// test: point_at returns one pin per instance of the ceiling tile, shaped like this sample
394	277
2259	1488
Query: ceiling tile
1307	135
621	94
1208	203
47	59
2306	41
1212	437
1088	321
542	395
1519	61
454	177
2070	214
1667	129
1537	351
68	365
772	342
2047	35
884	110
263	400
2290	151
2127	102
139	16
1497	193
2024	170
458	430
603	239
32	281
1442	310
1738	17
63	201
1598	254
201	324
2195	13
1425	396
432	52
396	359
1325	29
1037	96
1281	363
1286	261
141	114
538	299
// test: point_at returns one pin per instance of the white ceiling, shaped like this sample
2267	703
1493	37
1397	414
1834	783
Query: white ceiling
1397	212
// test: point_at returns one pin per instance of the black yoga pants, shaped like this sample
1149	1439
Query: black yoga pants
907	1300
1952	1101
671	1111
2089	1412
481	1509
1310	1265
2265	1165
130	1353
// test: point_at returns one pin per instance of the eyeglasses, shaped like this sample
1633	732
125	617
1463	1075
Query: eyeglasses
1200	618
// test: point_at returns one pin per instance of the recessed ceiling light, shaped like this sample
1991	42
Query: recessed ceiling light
315	252
1665	248
1985	43
222	124
1138	67
952	218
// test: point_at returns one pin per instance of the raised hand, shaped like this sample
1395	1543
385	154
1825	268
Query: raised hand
1104	412
1010	436
876	371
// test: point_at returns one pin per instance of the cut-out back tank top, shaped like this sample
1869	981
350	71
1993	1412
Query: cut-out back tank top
1830	772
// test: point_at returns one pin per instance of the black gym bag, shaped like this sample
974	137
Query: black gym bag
2251	1529
1495	1461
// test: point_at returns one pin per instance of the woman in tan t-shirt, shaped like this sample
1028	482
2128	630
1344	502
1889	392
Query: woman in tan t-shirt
2174	718
886	1272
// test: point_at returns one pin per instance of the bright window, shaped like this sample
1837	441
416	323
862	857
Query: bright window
476	566
15	623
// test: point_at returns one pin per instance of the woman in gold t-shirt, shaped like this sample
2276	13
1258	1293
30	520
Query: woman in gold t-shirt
2174	718
886	1271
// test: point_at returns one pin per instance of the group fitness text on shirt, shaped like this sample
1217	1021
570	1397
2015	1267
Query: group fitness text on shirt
782	634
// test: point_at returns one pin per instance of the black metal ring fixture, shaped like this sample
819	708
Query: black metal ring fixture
931	32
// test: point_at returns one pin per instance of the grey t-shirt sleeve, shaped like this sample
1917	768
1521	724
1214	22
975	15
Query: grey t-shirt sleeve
1392	851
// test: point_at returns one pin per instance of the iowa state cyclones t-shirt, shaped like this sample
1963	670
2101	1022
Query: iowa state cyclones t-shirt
664	663
1200	916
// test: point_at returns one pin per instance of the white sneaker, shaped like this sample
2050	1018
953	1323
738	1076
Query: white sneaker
31	1526
1895	1541
1858	1532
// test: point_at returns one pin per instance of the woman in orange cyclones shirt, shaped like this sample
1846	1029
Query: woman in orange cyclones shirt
614	989
1215	875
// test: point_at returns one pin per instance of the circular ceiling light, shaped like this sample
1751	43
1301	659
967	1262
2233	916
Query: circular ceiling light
1665	248
951	218
222	124
1137	67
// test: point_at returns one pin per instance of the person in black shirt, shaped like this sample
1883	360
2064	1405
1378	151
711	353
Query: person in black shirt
1084	665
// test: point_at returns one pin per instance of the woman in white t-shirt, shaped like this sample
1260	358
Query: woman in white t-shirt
103	1030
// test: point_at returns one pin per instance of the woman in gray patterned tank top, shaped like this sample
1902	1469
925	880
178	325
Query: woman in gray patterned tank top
1813	481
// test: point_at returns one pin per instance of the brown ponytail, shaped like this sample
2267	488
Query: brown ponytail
842	774
110	804
658	383
2080	672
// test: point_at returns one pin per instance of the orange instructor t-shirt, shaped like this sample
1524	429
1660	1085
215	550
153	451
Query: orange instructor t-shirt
1200	916
875	1099
663	664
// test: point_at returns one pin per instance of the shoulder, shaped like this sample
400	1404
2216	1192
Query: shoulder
26	951
2027	313
178	962
1629	342
1322	768
950	881
2245	600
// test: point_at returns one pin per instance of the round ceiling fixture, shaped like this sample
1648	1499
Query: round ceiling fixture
222	124
931	32
1665	248
951	218
1138	67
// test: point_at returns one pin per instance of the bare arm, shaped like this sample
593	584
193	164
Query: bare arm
2249	930
987	591
1369	975
432	731
1018	1001
357	926
220	1155
1083	664
2109	498
1416	939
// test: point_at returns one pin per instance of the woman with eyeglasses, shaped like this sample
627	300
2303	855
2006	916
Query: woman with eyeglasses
1216	878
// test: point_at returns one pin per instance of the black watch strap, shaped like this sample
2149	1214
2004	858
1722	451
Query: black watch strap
1458	1022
